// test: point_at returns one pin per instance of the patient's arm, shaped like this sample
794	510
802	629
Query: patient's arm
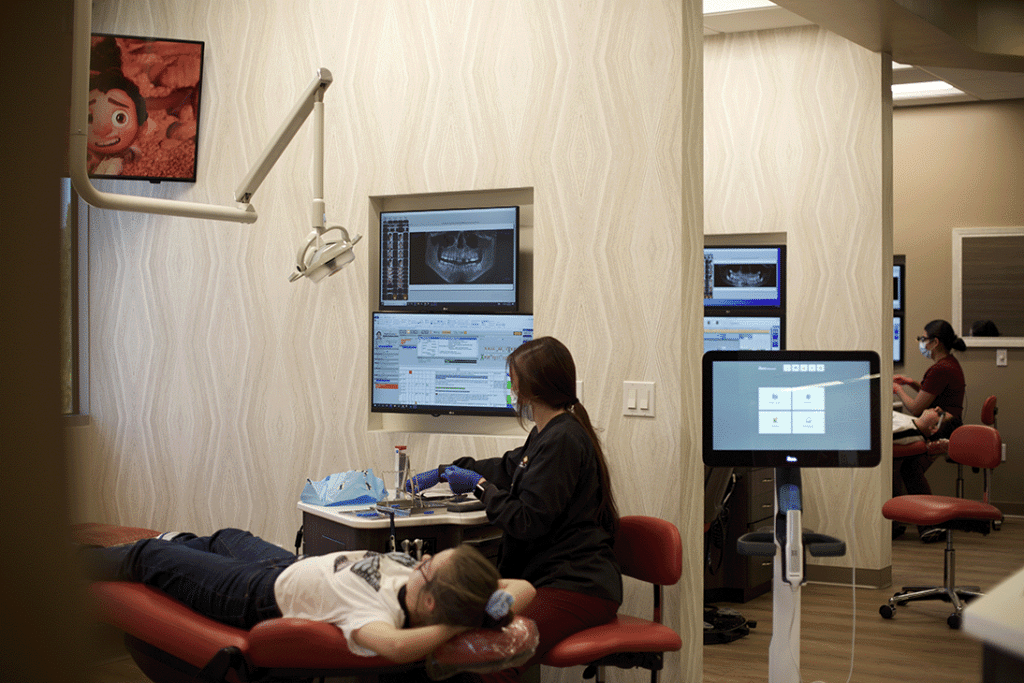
402	645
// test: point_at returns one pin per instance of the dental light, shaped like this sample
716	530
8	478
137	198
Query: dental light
328	247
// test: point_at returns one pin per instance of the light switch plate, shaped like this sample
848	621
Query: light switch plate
638	399
1001	357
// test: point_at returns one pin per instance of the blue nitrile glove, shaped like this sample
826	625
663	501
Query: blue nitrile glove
423	481
461	480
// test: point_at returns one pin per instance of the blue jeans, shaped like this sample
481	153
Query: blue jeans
228	576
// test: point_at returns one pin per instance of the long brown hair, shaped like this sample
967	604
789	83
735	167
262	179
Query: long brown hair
546	373
462	588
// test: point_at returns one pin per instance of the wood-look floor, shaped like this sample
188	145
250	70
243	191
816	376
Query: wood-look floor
916	645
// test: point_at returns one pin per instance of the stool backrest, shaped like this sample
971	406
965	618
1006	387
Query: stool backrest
988	411
976	446
649	549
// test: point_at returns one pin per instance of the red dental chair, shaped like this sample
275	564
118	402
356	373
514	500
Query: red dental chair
171	643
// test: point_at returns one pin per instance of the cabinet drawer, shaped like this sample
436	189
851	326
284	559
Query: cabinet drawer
761	492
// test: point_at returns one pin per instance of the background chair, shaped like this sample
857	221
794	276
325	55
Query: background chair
974	446
989	410
651	550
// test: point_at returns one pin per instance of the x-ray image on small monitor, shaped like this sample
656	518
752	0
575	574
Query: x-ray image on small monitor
745	277
791	409
450	259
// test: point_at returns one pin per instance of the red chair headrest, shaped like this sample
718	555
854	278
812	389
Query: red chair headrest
989	410
976	446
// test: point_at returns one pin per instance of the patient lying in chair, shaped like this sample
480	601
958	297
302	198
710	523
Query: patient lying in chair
385	604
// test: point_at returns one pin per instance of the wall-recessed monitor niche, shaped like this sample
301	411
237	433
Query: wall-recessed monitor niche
743	333
444	363
791	409
745	277
450	259
899	275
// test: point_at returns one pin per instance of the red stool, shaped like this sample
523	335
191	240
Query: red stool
651	550
974	446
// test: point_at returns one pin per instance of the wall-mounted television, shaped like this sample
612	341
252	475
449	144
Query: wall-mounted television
444	363
738	277
899	277
744	333
144	97
450	259
791	409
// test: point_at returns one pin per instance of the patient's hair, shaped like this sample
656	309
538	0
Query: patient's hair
462	588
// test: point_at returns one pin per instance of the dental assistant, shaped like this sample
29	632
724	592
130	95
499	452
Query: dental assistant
943	385
552	498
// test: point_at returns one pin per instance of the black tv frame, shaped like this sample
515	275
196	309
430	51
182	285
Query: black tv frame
387	303
431	409
737	308
783	458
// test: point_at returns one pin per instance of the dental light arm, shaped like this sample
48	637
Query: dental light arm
318	257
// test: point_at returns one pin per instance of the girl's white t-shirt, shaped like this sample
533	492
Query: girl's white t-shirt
347	589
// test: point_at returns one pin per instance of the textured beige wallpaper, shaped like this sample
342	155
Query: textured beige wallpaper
796	142
218	387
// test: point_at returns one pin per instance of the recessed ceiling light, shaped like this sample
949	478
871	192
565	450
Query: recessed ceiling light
905	91
715	6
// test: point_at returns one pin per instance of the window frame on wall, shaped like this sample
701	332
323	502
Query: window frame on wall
74	289
960	268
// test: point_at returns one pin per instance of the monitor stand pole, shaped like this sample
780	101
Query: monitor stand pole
787	544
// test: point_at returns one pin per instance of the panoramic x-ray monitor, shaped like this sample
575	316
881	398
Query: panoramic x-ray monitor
444	363
791	409
745	277
744	333
450	259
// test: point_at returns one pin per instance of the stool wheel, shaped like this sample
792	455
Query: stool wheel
887	611
954	621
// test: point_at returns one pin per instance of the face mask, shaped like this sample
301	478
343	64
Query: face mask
526	410
924	351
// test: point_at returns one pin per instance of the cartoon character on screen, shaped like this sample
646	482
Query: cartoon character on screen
117	116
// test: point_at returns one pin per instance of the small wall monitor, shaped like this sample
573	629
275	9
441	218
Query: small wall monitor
444	363
791	409
450	259
743	333
897	340
899	276
745	277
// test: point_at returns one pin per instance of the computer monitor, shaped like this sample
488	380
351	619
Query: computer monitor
745	277
444	363
744	333
897	340
791	409
899	276
450	259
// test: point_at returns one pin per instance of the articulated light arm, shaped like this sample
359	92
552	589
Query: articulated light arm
320	256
